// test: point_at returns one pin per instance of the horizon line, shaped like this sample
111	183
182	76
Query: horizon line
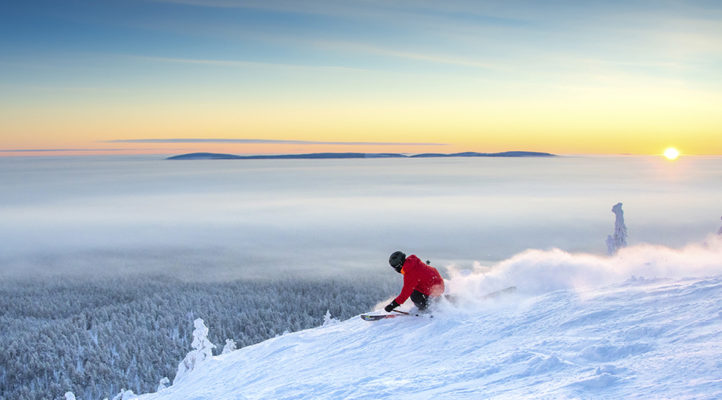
160	152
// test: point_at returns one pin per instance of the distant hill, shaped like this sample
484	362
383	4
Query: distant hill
220	156
475	154
203	156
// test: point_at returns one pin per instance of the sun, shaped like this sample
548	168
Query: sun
671	153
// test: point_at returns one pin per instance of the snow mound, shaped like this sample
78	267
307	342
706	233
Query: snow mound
645	323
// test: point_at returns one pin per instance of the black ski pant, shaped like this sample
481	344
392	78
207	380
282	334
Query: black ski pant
420	300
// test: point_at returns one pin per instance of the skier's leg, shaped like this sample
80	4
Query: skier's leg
420	300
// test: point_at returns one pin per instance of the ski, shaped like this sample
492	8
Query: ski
367	317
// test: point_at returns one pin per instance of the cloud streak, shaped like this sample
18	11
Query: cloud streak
56	150
272	141
246	64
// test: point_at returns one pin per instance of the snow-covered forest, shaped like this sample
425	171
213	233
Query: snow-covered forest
96	337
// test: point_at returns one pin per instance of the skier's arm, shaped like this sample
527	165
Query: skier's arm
409	285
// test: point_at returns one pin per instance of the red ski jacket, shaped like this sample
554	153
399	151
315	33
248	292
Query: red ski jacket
419	276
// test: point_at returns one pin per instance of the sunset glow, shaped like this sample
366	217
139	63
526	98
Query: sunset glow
569	78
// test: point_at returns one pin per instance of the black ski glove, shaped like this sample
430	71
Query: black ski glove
391	306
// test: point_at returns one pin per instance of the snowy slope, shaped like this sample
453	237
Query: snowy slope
644	324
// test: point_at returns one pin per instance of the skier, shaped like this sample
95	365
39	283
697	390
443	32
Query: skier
421	281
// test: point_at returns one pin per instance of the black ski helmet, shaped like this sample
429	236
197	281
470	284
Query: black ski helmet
397	260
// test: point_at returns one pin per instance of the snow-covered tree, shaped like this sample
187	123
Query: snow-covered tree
202	350
619	240
125	395
164	383
200	339
229	347
328	320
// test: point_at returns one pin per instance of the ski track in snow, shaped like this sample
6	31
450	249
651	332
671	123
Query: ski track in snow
640	339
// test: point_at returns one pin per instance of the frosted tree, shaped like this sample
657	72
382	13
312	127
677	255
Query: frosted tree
619	240
328	320
125	395
202	350
229	347
163	384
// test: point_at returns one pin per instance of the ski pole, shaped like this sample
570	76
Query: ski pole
401	312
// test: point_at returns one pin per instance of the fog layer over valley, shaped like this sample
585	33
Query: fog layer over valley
240	218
